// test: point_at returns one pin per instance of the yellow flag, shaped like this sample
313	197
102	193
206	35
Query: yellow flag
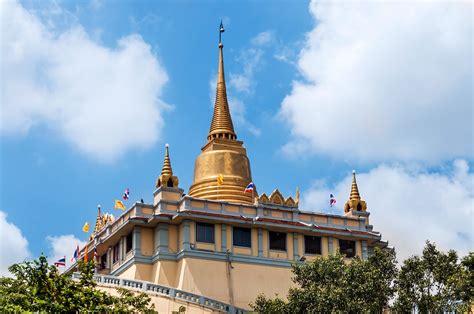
85	228
220	179
119	205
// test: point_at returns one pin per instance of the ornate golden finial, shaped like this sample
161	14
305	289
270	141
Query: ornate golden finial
167	178
355	202
354	189
221	125
98	221
166	170
297	196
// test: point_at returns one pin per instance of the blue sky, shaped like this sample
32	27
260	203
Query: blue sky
93	90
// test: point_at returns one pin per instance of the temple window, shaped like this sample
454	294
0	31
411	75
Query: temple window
116	251
242	237
205	233
129	242
103	261
347	248
312	245
170	183
277	241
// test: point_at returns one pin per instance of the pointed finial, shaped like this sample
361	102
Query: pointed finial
354	188
167	178
221	30
297	197
166	170
98	220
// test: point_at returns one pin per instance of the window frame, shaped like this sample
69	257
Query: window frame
234	229
129	237
313	238
116	253
205	240
270	241
354	254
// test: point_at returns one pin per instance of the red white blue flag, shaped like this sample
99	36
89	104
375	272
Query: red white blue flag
332	200
249	188
76	254
126	194
60	262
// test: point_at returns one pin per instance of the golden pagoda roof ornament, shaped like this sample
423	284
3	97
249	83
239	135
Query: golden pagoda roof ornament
101	221
221	125
167	178
355	202
223	156
98	220
276	198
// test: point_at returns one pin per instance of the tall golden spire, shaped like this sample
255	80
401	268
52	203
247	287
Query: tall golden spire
355	202
221	125
354	189
166	170
223	155
167	178
98	221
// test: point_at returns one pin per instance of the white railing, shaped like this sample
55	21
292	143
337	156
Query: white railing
165	291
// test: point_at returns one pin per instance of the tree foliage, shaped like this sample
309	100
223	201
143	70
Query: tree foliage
39	287
330	284
436	282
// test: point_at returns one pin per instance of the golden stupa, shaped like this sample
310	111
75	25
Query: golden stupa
223	154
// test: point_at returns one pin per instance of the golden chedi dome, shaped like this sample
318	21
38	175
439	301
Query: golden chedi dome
355	202
222	156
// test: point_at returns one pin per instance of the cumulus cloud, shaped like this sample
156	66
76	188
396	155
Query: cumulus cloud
251	58
63	245
385	81
410	205
104	101
13	245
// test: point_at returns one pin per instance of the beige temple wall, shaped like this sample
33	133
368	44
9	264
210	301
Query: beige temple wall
147	241
210	278
165	273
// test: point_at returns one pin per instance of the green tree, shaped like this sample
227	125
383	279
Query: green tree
39	287
329	284
435	282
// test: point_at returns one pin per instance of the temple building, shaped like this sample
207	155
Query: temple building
216	247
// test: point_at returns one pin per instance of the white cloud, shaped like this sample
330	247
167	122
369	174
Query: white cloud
104	101
385	81
13	245
63	245
410	205
263	38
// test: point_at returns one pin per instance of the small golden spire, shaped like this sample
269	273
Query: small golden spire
167	170
355	202
167	178
354	188
297	196
221	125
98	221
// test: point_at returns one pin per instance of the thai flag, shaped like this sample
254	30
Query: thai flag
249	188
332	200
126	194
95	252
76	254
60	262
